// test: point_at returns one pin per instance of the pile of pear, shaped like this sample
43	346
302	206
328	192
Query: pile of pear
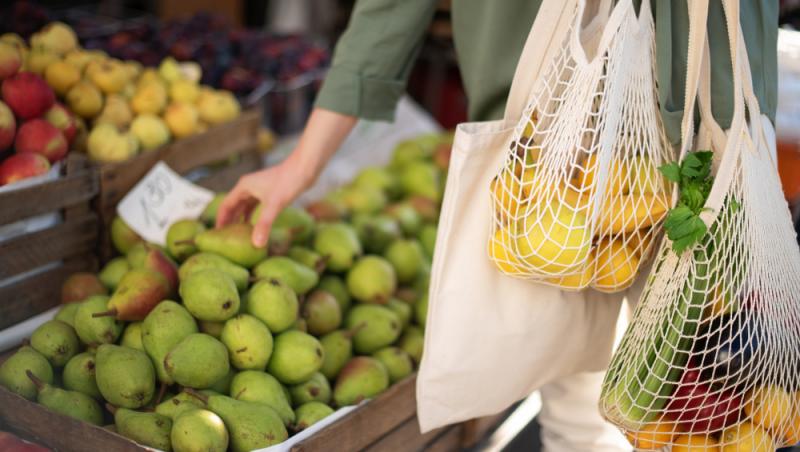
120	108
212	344
546	227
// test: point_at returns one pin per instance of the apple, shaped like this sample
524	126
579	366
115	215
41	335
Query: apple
22	166
59	116
8	126
28	95
40	137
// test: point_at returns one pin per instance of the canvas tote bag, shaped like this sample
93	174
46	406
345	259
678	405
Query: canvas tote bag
490	339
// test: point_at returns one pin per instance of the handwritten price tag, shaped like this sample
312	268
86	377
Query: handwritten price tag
161	198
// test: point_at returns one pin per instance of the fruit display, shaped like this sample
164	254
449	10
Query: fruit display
577	219
12	443
212	344
65	96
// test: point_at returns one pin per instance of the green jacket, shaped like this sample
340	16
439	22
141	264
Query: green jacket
374	56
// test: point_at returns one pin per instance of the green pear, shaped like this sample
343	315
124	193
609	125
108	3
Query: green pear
322	313
376	231
67	313
361	378
209	214
406	216
223	385
378	179
132	336
92	330
423	179
427	238
409	151
163	329
177	405
232	242
79	375
421	310
337	350
137	254
213	329
296	356
199	431
147	429
181	236
412	342
250	425
340	242
300	222
309	414
423	280
372	280
378	327
261	387
122	236
210	295
397	362
139	291
403	310
13	372
125	376
56	341
204	261
76	405
197	361
249	342
309	258
407	257
274	303
113	271
364	199
336	287
280	240
316	389
297	276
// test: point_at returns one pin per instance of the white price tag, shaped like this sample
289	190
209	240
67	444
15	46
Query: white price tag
161	198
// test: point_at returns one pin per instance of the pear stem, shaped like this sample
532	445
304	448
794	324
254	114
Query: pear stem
26	341
111	408
36	381
321	263
197	395
161	391
109	313
353	331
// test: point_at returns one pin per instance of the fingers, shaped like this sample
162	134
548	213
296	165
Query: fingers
269	212
232	205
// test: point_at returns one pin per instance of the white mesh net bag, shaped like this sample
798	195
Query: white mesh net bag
579	199
711	359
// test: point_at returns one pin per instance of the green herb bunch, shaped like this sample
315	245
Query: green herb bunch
693	176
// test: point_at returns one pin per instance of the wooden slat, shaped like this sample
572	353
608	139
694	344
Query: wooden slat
449	441
225	178
405	437
59	432
368	423
75	187
33	295
53	244
476	429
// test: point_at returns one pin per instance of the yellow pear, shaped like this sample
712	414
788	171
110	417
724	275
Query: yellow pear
56	37
133	68
631	212
184	91
219	108
149	75
151	131
181	119
107	144
618	174
14	39
116	111
38	59
553	239
501	248
61	76
616	266
128	91
169	70
109	75
84	99
78	58
149	98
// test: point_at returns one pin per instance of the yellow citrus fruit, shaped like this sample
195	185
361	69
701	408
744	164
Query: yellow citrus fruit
500	250
643	176
553	238
506	193
527	132
770	407
631	212
616	266
578	280
792	435
695	443
616	177
641	240
652	436
746	437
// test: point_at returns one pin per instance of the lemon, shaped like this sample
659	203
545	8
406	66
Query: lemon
554	239
500	247
770	407
577	280
587	175
616	266
695	443
642	176
746	437
631	212
652	436
640	241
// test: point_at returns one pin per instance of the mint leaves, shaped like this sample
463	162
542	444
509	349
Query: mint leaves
693	176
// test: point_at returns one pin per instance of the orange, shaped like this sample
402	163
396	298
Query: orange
746	437
652	436
695	443
792	431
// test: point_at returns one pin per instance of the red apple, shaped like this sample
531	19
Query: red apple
10	60
22	166
700	409
8	126
27	95
40	137
59	116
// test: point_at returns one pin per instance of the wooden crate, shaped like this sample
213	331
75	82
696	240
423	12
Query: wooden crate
388	423
237	140
33	265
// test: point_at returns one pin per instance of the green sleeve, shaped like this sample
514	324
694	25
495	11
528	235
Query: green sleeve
374	57
759	19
